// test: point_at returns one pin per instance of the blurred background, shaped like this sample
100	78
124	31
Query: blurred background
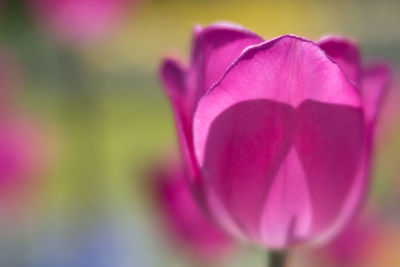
83	121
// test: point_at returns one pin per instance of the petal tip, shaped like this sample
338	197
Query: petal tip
228	26
337	38
171	72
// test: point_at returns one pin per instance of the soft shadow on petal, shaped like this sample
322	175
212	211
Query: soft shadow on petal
331	144
245	148
287	213
285	175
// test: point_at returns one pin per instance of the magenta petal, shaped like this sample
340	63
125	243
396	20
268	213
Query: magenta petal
172	74
215	48
183	218
257	155
287	69
375	81
346	53
316	181
246	145
333	161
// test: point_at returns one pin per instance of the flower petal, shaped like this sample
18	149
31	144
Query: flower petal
375	81
346	53
183	217
287	69
250	139
215	48
246	145
332	144
172	74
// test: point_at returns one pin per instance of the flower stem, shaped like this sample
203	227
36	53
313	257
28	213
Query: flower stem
277	258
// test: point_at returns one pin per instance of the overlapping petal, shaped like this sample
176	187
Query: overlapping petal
282	104
173	76
346	53
279	133
183	218
214	49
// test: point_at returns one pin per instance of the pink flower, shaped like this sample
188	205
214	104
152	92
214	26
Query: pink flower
276	135
367	242
22	159
389	120
79	21
183	219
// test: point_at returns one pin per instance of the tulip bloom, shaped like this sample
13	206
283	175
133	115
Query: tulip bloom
276	135
78	21
184	220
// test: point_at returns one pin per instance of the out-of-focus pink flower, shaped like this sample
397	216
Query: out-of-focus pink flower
276	135
389	120
79	21
367	242
388	149
23	156
183	219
